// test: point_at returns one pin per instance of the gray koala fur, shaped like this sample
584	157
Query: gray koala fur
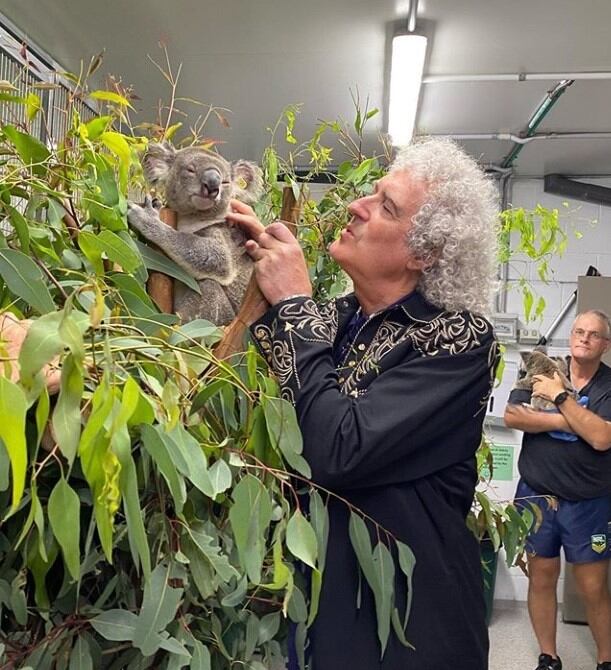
537	362
198	185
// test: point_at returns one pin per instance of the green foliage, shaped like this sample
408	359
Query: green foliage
321	221
538	236
502	523
152	511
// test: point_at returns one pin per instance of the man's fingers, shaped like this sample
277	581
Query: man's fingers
249	224
245	217
240	207
254	250
279	230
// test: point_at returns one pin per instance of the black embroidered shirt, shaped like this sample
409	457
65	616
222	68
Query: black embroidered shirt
392	427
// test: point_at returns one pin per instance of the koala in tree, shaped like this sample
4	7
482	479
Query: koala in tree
198	185
537	362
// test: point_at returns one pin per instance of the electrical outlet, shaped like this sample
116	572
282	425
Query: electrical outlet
528	336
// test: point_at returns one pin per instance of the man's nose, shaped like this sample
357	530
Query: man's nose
359	207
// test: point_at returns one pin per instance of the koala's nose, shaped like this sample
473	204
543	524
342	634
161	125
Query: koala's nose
211	183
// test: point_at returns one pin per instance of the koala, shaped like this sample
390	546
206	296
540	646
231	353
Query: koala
537	362
198	185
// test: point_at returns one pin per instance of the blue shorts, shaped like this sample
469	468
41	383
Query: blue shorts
581	527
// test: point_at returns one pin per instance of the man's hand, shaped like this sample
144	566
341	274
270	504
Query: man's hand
279	263
12	334
547	387
530	420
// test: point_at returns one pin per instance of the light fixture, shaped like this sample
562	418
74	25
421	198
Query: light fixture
408	53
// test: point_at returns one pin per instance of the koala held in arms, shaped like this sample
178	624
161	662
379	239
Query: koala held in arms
198	185
537	362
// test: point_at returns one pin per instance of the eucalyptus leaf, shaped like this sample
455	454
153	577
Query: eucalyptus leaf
211	550
159	605
20	225
116	625
31	150
268	627
301	539
383	589
154	260
220	476
361	543
319	518
200	657
64	510
25	279
284	433
250	516
80	657
252	635
67	412
153	443
237	595
114	247
13	409
407	563
5	465
189	458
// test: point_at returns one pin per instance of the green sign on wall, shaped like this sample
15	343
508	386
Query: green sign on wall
502	462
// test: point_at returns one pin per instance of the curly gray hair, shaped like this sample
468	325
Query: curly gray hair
456	229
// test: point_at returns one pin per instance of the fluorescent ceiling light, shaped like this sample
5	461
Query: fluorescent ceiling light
408	52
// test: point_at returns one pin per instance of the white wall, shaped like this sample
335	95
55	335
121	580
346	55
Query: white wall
593	248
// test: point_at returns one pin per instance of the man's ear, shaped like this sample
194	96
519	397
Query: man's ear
417	264
157	161
421	264
247	180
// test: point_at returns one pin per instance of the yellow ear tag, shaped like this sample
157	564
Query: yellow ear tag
241	183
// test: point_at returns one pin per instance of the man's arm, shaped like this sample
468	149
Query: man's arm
533	421
589	426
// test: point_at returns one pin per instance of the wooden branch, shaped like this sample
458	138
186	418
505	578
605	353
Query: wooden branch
254	305
159	286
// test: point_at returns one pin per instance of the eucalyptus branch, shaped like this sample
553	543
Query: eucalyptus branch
54	281
283	475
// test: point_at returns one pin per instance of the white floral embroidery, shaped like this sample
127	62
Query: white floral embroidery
305	316
451	332
301	320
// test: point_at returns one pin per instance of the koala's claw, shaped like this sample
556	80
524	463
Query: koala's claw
143	217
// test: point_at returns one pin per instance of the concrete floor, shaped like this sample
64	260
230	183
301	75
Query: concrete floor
513	645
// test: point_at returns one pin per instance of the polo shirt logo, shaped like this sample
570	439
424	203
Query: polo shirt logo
599	543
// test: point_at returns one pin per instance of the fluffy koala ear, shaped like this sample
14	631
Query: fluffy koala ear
247	180
526	356
157	161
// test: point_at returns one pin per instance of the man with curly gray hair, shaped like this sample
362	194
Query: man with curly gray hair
390	385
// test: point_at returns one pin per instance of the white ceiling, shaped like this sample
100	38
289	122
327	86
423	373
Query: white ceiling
257	56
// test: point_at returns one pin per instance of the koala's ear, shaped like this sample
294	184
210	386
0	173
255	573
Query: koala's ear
525	356
247	180
157	161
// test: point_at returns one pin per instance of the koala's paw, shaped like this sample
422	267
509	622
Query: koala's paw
143	217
